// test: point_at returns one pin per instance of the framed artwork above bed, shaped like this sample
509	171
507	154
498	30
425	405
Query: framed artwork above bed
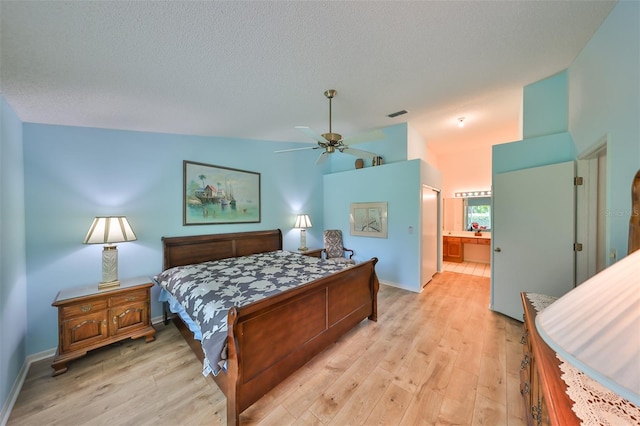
215	195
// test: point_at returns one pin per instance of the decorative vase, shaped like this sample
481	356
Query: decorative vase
478	234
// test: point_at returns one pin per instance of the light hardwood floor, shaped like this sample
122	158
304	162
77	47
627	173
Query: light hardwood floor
436	358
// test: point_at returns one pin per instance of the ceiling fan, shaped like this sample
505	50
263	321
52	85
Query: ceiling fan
332	142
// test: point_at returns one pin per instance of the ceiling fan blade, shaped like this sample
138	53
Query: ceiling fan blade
373	135
322	158
297	149
358	153
312	133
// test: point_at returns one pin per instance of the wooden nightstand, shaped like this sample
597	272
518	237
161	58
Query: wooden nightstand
311	252
89	318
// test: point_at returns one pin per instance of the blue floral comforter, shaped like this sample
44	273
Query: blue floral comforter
208	290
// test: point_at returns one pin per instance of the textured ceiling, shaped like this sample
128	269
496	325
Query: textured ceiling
257	69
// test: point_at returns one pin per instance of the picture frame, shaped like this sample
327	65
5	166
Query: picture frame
369	219
219	195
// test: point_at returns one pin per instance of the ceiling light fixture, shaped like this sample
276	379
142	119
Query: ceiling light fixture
470	194
461	122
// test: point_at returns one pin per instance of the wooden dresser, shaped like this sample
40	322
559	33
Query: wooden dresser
89	318
541	384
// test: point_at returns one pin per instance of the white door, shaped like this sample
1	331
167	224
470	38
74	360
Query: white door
533	231
429	261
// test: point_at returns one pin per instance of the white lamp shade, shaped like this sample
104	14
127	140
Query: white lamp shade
596	327
109	230
303	221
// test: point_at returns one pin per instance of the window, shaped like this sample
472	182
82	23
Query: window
477	210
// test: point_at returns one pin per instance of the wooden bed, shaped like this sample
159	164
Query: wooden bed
271	338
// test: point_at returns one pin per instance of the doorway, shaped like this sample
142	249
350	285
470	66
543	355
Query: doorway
430	235
591	207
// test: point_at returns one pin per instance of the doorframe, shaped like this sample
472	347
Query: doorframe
439	218
591	219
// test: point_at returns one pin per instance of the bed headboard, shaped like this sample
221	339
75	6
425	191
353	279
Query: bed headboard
178	251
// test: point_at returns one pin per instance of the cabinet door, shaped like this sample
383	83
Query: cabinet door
129	317
455	248
78	333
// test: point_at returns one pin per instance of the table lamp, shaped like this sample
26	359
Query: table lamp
596	327
302	222
107	231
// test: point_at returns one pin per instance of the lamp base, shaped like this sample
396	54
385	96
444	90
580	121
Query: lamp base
108	284
109	267
303	240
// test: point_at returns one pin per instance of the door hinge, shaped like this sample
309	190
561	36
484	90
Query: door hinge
577	246
578	180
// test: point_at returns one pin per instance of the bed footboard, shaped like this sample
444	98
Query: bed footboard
270	339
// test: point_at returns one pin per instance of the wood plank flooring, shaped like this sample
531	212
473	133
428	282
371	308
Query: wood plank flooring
436	358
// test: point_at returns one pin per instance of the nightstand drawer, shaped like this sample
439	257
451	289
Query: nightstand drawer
83	308
129	297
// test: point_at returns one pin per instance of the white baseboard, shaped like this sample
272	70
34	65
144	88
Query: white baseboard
17	385
24	370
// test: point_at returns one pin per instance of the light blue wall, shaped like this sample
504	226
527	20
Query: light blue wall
545	106
546	140
73	174
604	94
13	281
392	149
533	152
399	185
603	103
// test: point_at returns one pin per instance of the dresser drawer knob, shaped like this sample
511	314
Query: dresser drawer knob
86	308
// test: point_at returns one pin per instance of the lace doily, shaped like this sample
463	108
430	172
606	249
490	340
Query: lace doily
540	301
595	404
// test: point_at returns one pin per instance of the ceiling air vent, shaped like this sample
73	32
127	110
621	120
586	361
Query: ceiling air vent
397	113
